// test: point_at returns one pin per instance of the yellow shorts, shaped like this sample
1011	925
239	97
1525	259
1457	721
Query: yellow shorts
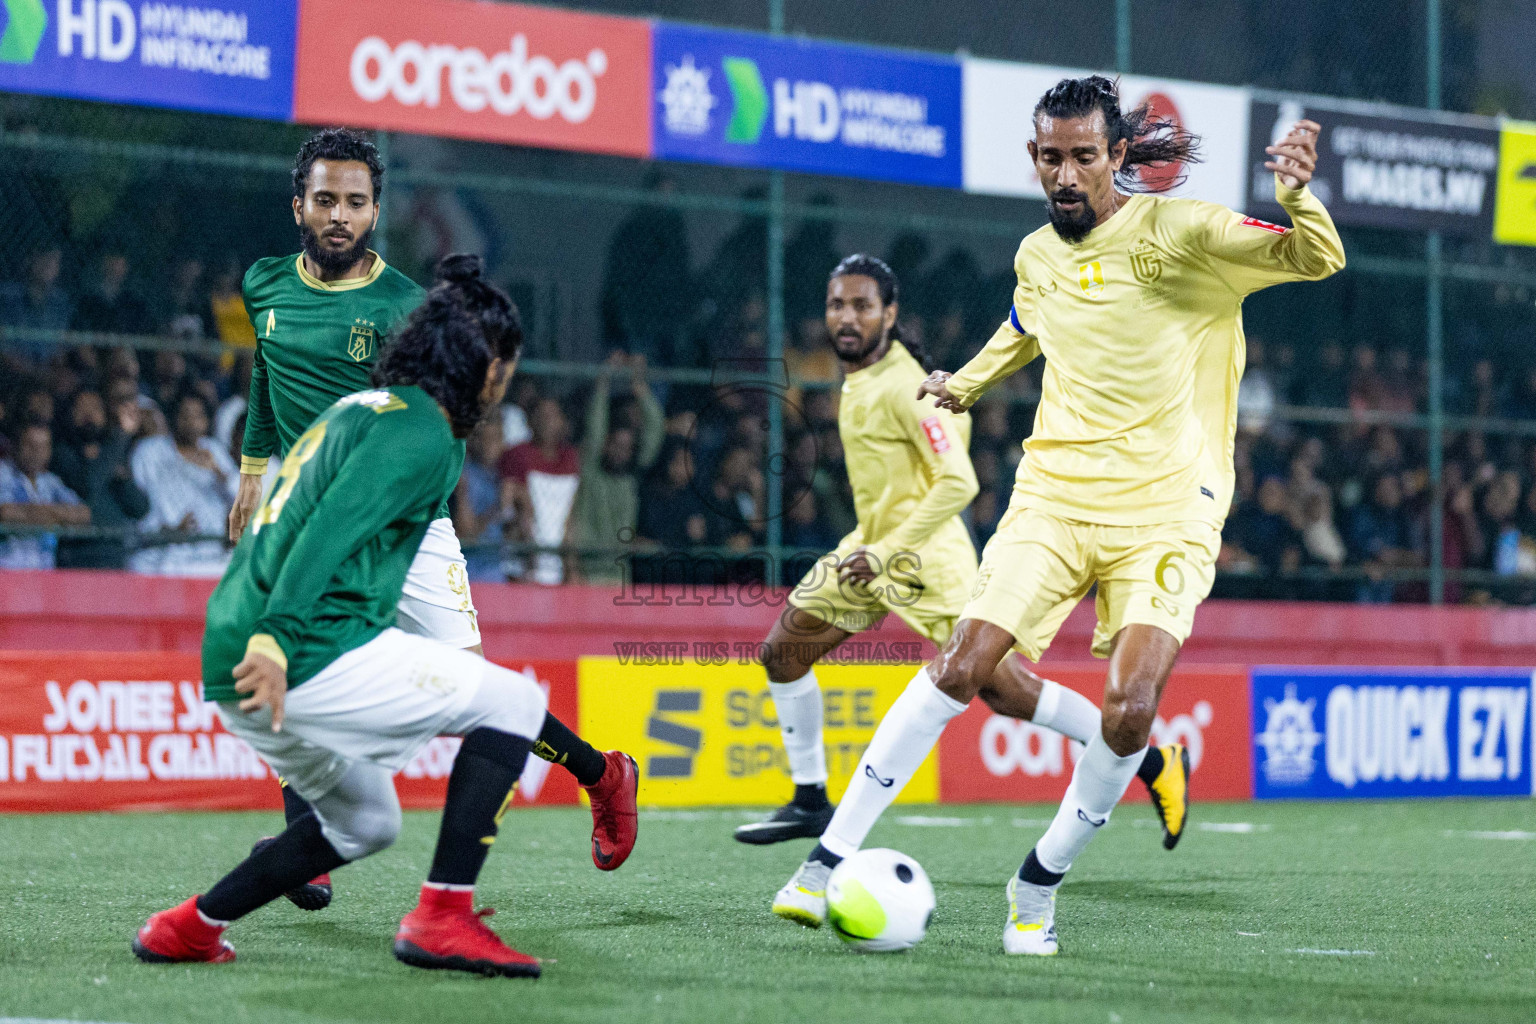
926	591
1037	567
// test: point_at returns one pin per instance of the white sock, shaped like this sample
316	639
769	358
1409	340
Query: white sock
1098	783
1067	712
906	735
798	705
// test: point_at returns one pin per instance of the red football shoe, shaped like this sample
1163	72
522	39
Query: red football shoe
312	895
445	932
615	817
179	936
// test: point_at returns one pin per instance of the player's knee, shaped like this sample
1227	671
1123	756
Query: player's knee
780	662
1128	717
364	830
507	702
959	675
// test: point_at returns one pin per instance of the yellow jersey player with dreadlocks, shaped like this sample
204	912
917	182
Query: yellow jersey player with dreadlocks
1135	300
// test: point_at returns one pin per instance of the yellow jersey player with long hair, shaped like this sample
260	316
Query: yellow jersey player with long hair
910	554
1136	302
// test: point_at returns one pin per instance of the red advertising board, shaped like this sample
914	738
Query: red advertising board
130	731
496	72
986	757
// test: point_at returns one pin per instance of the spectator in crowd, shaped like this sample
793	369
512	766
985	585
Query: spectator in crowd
613	458
1326	385
186	313
1261	532
191	483
1256	394
672	515
1320	540
37	302
515	413
1501	508
30	496
477	508
539	479
1379	539
226	307
92	461
737	499
647	297
112	306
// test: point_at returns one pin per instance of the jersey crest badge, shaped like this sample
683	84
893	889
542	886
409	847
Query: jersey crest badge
1263	225
1146	261
360	344
1090	277
937	439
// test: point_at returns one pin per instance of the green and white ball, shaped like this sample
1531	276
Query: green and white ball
879	901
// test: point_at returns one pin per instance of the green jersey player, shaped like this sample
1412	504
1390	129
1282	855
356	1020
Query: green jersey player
305	664
322	317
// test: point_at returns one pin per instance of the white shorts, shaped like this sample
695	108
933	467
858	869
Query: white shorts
435	602
382	702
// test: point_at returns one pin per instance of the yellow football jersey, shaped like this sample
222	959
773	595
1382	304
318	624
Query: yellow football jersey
1141	326
908	463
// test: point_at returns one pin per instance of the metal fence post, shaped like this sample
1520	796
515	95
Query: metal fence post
1434	330
775	300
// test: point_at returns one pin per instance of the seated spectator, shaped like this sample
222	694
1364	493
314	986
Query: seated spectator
477	510
226	307
1320	540
1262	529
112	306
672	515
737	500
1367	387
613	457
1501	507
1256	395
804	530
185	310
92	460
1379	539
32	496
38	302
538	487
191	484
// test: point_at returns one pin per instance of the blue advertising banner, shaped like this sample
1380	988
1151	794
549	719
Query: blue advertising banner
1353	733
230	57
800	105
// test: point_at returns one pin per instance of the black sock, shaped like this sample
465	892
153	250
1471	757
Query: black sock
1151	766
825	856
1031	871
558	745
294	806
479	789
302	852
811	797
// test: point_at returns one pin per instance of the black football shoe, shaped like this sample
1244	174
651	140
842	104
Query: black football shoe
791	821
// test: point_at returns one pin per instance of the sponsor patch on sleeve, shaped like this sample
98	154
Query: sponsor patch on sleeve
937	439
1263	225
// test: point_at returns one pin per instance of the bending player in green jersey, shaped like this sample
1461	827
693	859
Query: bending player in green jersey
322	317
335	698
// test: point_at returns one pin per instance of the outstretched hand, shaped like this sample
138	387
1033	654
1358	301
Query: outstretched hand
937	385
1295	156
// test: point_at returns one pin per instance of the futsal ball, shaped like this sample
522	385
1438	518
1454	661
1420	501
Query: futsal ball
879	901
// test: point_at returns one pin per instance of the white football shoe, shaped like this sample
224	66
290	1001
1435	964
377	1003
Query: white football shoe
803	899
1031	927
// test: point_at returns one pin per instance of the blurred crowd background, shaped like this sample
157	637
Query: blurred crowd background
639	442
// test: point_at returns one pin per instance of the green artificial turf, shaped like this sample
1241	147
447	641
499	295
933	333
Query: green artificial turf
1410	911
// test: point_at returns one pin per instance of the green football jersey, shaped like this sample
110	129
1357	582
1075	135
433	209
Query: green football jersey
315	342
321	567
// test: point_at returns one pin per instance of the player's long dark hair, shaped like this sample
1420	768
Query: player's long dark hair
448	342
884	277
1150	141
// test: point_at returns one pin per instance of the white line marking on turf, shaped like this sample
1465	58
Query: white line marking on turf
1335	952
1512	834
1031	822
1251	935
931	821
1237	827
44	1020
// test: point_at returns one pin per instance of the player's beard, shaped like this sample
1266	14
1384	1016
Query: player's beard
867	345
1071	227
333	261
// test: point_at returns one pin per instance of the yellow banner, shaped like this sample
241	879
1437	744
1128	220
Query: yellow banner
707	735
1514	210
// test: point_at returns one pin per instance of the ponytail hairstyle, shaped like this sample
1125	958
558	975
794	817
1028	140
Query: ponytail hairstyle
879	271
1151	141
449	341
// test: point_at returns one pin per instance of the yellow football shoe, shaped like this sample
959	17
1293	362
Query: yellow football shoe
1170	793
